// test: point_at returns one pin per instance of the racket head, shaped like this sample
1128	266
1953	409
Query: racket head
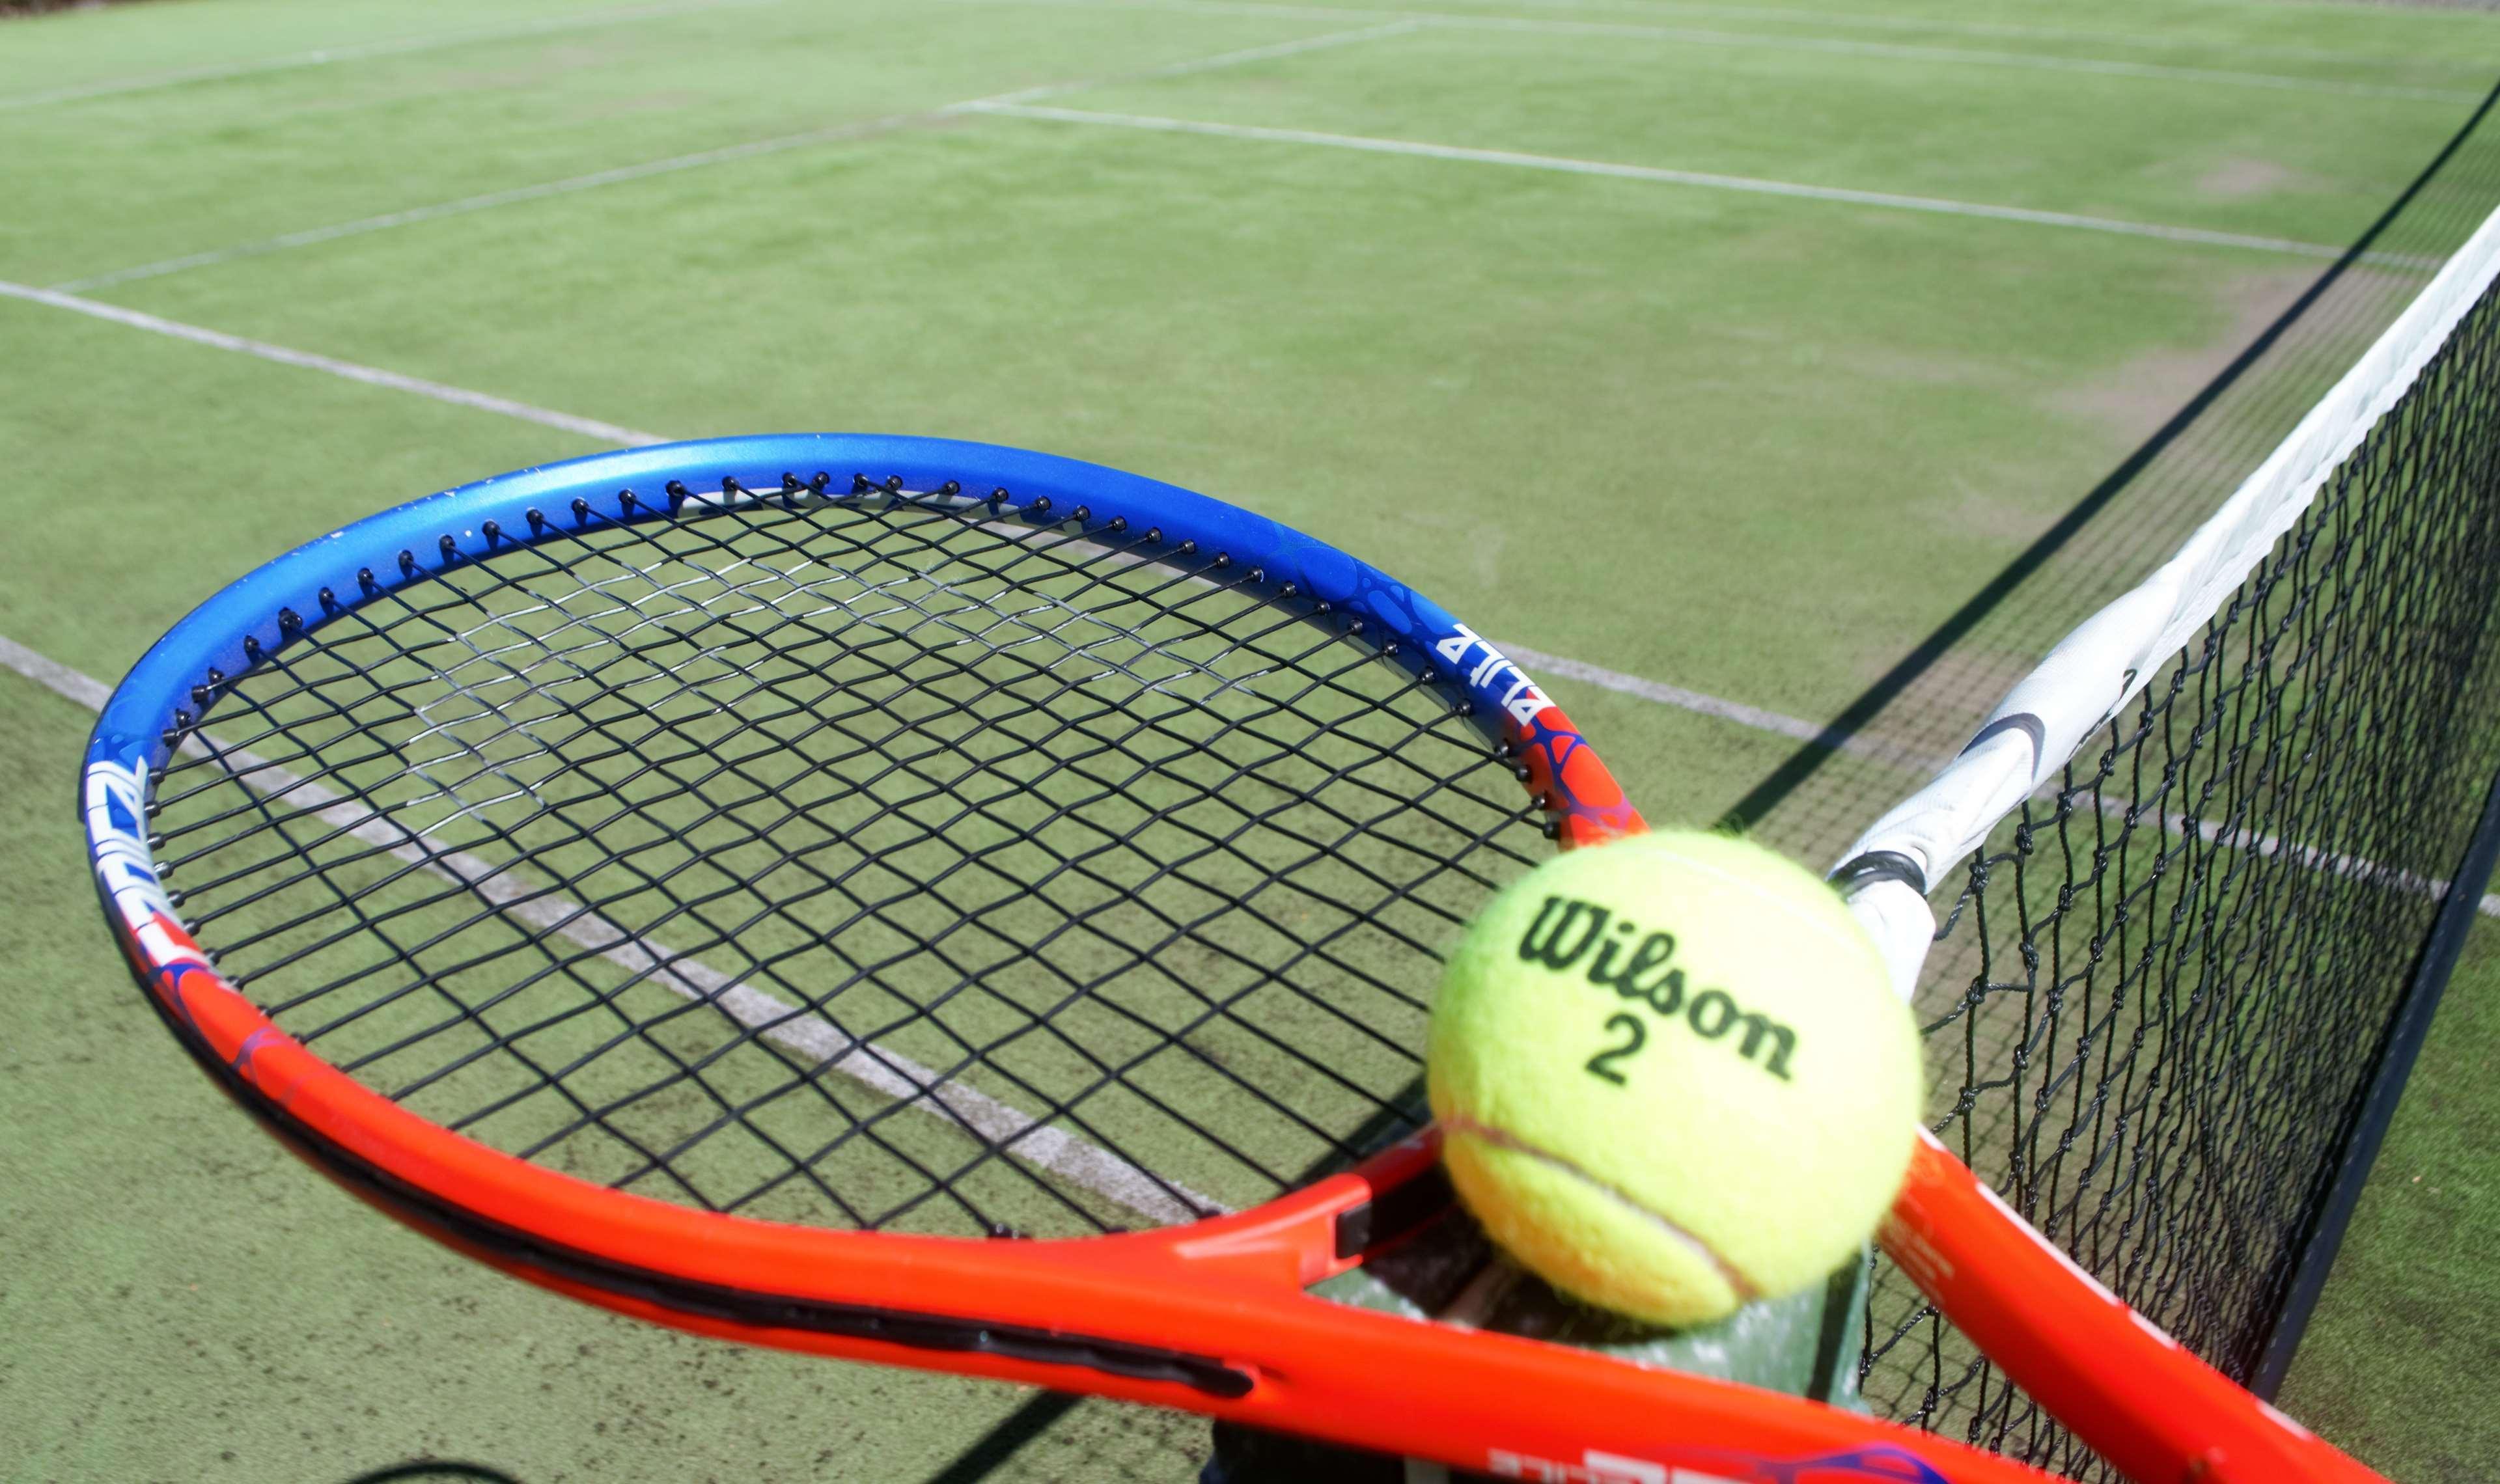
413	750
1204	1309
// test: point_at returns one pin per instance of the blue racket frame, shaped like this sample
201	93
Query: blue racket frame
262	612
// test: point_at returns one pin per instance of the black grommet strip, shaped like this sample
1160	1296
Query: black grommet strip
1859	871
1393	1213
858	1321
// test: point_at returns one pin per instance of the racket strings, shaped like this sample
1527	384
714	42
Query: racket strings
645	801
887	862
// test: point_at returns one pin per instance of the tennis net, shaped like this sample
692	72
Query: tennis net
2180	883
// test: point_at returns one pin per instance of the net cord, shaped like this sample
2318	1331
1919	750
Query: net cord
2110	657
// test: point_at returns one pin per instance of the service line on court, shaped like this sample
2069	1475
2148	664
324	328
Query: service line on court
27	661
1833	45
1387	24
371	375
92	693
1655	691
1702	180
881	1069
1023	103
358	50
1049	1146
725	154
1867	21
1778	724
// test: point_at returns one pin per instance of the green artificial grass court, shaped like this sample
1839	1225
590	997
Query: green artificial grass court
1768	442
2393	1366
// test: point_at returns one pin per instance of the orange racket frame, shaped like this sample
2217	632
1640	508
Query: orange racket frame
1211	1317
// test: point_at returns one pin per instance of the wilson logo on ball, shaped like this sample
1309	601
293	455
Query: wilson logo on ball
1640	967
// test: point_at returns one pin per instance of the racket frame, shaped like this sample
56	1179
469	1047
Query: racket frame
1211	1316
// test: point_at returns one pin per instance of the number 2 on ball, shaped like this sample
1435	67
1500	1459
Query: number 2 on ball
1631	1027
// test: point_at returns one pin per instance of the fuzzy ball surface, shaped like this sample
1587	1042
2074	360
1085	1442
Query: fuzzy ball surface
1672	1076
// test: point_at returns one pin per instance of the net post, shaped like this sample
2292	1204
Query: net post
2395	1063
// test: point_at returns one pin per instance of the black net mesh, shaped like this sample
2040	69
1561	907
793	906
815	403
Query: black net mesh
874	860
2161	988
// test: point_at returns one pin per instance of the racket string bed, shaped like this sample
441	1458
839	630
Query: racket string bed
1025	876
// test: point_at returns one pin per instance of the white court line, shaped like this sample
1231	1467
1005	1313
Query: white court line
59	678
1855	744
1607	680
1657	692
588	427
2034	61
1871	22
357	50
702	158
1956	57
493	199
1397	27
27	661
1750	185
807	1031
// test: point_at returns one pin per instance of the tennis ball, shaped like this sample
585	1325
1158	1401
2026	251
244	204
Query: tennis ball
1672	1076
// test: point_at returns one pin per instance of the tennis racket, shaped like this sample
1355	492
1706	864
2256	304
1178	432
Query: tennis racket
949	907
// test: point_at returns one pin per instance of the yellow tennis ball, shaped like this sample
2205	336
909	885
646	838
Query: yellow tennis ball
1672	1076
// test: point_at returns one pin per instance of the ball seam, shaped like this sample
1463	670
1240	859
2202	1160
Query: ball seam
1745	1289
